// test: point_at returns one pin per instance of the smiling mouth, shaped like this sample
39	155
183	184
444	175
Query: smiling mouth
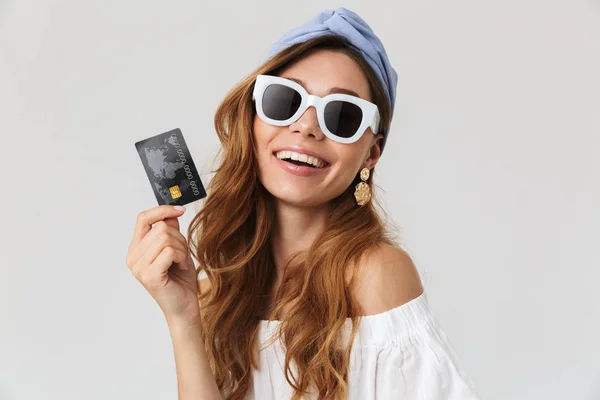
301	163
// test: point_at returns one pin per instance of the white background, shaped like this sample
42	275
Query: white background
492	171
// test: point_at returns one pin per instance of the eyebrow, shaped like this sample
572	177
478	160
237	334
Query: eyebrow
334	89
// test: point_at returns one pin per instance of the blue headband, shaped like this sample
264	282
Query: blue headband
348	24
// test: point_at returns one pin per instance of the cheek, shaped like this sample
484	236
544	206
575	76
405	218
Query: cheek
256	130
350	160
263	137
263	133
348	173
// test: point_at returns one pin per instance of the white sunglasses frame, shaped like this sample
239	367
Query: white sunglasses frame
370	112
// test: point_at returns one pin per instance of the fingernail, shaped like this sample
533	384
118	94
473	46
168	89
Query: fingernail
180	208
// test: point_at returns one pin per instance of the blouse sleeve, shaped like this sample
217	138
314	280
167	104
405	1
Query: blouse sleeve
404	354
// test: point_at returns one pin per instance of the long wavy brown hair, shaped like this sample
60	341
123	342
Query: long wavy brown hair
230	237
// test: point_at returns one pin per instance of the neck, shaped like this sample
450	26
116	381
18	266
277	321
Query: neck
295	230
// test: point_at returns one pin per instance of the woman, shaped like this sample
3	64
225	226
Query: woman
291	244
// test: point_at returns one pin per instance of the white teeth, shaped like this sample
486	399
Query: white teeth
287	154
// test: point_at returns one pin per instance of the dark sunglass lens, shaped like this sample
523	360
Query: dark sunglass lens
343	118
280	102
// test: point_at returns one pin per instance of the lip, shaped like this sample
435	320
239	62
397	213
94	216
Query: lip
300	170
303	150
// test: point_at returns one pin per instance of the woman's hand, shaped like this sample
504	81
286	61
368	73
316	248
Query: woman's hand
159	258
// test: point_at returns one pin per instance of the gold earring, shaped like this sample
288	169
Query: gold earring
362	192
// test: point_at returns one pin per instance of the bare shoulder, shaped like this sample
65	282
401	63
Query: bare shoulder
386	278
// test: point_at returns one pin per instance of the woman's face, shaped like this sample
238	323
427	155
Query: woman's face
318	72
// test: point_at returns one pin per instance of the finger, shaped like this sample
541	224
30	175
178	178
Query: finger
173	222
160	236
164	260
147	218
158	245
168	237
135	241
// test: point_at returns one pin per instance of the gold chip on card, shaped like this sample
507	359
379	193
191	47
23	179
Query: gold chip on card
175	192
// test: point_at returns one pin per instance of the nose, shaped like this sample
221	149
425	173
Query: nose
308	124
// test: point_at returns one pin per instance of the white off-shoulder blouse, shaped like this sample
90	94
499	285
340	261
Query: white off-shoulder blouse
399	354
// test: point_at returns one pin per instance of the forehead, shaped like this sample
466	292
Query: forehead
324	69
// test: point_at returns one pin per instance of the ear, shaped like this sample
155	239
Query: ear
374	151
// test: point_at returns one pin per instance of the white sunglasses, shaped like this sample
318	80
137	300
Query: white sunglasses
342	117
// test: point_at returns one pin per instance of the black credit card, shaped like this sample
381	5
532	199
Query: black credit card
170	168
